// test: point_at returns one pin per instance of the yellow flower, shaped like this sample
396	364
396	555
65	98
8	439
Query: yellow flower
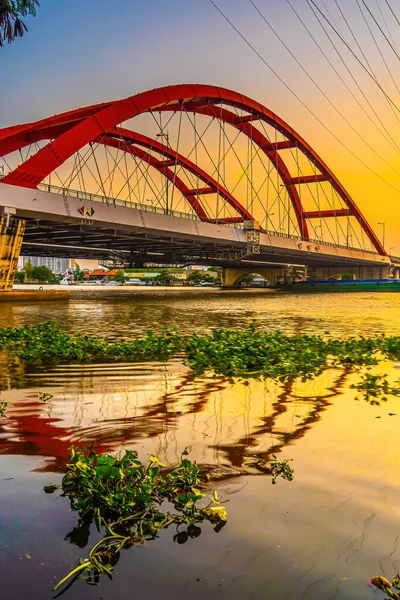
218	511
155	461
81	465
198	492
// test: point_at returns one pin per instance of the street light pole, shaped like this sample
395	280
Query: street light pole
383	232
166	136
267	217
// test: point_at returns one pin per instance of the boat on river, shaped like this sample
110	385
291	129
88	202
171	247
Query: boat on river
341	285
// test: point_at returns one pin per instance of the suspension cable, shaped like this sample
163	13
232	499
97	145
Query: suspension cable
389	138
354	54
363	53
380	29
321	90
392	11
301	101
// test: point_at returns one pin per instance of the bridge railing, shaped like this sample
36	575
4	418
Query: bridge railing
89	197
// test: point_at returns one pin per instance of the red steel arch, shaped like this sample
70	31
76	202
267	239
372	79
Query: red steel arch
86	125
16	138
212	185
135	139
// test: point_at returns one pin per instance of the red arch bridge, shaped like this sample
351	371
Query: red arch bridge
177	175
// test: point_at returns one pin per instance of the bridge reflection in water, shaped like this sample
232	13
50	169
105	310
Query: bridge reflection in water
230	429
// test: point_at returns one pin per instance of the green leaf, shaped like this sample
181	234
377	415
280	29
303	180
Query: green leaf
49	489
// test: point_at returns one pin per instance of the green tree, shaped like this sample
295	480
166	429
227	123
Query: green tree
19	277
165	277
28	267
197	276
120	275
247	278
42	273
11	24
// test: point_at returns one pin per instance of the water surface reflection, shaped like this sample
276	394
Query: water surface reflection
112	315
320	537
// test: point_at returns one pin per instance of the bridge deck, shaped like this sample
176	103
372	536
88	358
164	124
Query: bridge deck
56	226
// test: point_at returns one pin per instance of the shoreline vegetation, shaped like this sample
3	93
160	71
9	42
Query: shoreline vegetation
241	353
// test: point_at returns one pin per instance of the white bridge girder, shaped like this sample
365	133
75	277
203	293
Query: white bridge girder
47	206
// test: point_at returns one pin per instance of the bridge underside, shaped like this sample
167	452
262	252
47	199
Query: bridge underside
44	237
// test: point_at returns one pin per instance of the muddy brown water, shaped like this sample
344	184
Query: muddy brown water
317	538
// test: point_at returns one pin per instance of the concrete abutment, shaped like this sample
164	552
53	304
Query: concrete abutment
11	236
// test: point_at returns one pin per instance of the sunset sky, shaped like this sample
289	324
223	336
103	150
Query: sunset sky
79	52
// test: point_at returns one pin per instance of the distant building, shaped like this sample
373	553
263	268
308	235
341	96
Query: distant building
57	265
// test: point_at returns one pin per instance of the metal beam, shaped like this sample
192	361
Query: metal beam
308	179
323	214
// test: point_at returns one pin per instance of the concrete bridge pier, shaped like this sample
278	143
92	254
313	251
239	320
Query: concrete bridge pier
231	276
11	235
378	272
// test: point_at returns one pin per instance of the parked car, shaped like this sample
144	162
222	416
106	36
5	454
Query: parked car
135	281
207	284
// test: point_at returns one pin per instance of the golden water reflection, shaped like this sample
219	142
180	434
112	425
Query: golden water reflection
161	409
318	537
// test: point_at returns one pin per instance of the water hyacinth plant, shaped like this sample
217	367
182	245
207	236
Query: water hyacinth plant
131	503
281	469
44	396
375	388
237	352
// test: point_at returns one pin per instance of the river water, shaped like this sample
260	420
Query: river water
319	537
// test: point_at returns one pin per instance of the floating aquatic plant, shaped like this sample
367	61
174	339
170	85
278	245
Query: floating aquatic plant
131	503
375	388
45	396
245	352
281	469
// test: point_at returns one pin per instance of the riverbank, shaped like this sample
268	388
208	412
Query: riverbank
34	296
93	292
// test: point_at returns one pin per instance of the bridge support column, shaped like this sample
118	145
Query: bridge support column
231	276
11	235
396	273
357	272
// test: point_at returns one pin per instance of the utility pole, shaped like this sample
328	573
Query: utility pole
166	136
